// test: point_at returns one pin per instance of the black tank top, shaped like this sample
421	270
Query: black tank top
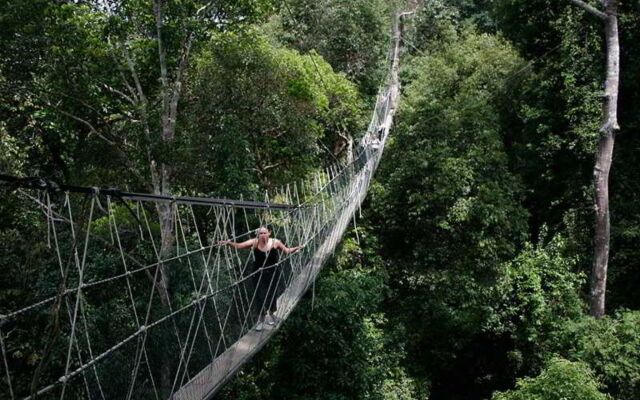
265	259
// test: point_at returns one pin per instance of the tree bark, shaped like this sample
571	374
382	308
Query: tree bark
161	179
604	158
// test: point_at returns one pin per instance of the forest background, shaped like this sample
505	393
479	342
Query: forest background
467	276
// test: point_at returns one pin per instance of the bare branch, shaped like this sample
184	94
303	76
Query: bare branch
261	170
272	166
589	8
82	121
177	85
134	74
167	132
342	135
118	92
343	143
133	93
205	9
275	132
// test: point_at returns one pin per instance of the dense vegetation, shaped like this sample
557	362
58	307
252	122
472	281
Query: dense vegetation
468	275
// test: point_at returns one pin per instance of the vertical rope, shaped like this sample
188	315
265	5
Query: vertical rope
80	265
6	365
140	348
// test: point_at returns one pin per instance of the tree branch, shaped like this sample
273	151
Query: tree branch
118	92
273	132
133	93
82	121
590	9
165	94
134	74
157	11
177	85
261	170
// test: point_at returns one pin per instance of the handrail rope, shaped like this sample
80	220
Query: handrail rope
63	274
205	272
54	322
80	266
143	268
204	276
41	183
206	261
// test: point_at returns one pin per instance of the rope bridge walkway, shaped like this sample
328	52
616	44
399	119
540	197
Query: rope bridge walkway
171	323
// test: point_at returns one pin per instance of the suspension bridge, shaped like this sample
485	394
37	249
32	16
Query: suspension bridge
184	319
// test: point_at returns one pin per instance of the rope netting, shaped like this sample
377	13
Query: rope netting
119	311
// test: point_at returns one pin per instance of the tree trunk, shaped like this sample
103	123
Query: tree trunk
161	174
160	177
604	158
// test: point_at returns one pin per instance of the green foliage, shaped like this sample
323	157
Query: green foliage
610	346
536	294
476	12
437	23
494	143
50	95
434	27
561	380
559	113
446	180
257	111
352	35
12	159
558	109
448	210
71	101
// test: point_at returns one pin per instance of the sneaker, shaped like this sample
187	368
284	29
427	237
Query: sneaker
275	320
269	319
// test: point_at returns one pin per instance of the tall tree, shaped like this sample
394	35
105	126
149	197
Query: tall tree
156	35
604	153
154	40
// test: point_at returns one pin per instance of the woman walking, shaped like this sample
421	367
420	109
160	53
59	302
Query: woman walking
266	271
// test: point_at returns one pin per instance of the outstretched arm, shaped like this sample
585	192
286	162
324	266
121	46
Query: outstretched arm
242	245
287	250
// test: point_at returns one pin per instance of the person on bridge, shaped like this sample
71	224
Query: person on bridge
266	270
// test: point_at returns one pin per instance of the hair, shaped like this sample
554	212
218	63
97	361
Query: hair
268	227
